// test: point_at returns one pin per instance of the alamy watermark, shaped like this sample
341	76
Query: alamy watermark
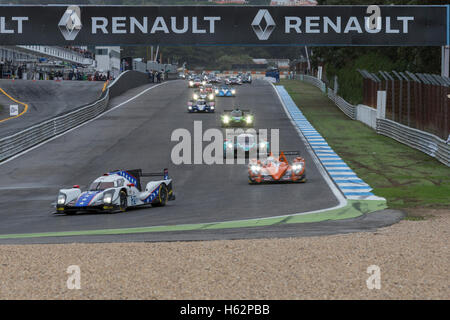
212	146
74	279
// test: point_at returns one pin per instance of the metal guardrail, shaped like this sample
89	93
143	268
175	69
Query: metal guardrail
423	141
414	138
347	108
313	80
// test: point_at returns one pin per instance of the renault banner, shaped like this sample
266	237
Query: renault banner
225	25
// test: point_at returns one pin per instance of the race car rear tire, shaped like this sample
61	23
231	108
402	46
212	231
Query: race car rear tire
123	201
163	196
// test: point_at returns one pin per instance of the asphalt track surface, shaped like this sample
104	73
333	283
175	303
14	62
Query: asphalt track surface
137	135
45	99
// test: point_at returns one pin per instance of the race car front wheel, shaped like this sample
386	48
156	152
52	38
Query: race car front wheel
163	196
123	201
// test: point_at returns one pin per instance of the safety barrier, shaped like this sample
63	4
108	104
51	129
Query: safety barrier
367	115
312	80
25	139
420	140
347	108
423	141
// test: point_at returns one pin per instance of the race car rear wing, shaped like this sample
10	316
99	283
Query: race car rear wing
291	153
164	174
283	154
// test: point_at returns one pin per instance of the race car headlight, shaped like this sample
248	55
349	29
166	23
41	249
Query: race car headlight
190	108
211	96
195	96
229	145
61	199
203	82
262	145
217	91
226	119
107	198
191	83
297	168
249	119
212	107
233	91
255	169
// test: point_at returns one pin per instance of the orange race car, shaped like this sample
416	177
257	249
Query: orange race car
275	169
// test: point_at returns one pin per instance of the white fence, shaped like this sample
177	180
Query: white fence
367	115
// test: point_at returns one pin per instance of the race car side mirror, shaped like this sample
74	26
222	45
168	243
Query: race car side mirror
130	185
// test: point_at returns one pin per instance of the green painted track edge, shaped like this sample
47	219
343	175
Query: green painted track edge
353	209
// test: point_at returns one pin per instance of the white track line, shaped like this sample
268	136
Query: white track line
337	193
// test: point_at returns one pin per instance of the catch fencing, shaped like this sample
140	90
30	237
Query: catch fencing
416	100
407	101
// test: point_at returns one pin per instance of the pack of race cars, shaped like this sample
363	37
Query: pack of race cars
244	143
119	190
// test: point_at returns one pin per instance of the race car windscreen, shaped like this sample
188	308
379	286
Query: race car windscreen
96	186
236	113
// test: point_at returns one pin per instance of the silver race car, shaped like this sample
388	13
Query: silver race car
116	191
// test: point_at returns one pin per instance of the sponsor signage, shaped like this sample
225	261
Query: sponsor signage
13	110
224	25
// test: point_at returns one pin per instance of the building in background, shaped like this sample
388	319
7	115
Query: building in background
44	62
293	3
108	60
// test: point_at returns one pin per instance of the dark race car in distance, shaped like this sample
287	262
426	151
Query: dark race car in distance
237	118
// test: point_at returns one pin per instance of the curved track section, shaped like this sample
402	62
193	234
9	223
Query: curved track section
45	99
137	135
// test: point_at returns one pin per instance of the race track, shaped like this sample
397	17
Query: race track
137	135
45	99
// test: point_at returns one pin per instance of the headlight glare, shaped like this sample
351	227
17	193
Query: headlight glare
255	168
61	198
107	198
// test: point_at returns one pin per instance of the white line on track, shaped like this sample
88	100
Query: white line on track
337	193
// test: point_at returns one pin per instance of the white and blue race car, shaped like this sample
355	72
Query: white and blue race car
116	191
201	105
225	91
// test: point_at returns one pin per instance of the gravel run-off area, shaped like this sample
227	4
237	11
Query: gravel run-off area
413	257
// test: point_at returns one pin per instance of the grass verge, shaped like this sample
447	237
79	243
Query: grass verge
406	177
